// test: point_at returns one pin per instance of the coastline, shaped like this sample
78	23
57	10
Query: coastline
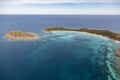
19	35
98	32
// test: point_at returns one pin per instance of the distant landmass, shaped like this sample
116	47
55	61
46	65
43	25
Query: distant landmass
19	35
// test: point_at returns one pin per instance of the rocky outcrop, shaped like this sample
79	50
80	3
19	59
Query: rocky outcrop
19	35
118	52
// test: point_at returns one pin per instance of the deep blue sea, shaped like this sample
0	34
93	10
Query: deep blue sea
59	55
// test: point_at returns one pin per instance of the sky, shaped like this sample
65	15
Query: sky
107	7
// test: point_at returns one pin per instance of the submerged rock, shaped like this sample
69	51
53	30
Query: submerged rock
118	52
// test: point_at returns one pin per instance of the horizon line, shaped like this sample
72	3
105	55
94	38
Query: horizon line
59	14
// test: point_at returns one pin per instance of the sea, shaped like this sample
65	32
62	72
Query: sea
59	55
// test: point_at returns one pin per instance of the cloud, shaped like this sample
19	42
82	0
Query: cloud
55	1
45	7
57	11
78	8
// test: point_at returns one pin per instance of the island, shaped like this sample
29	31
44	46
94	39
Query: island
106	33
19	35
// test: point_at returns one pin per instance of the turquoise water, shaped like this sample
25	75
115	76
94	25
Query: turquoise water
59	56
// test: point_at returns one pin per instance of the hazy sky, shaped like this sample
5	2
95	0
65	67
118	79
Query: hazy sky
60	7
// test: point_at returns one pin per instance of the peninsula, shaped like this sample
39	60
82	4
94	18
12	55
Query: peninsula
106	33
19	35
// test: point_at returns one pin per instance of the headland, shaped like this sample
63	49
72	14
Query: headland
105	33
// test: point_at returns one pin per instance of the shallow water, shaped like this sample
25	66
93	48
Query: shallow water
59	56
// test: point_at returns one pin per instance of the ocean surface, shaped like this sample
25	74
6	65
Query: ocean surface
59	55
